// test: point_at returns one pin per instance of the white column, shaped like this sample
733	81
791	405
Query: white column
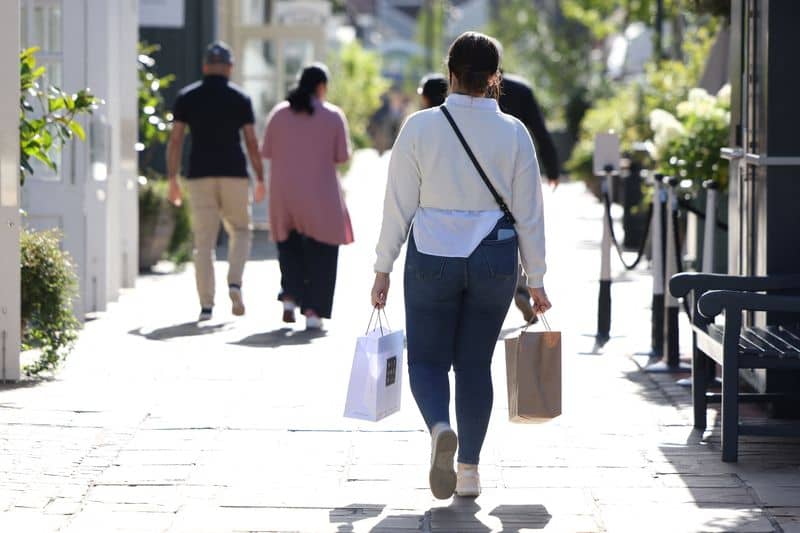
100	191
128	133
9	192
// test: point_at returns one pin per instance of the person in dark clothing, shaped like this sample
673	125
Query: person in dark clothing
432	90
217	114
517	100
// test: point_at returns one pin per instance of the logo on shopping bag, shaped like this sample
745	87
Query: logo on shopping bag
391	371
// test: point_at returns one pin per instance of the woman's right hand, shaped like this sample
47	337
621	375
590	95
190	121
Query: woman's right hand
541	302
380	289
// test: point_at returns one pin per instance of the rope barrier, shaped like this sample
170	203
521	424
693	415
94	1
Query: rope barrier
683	203
642	246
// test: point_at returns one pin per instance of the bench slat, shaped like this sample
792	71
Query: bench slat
790	345
758	336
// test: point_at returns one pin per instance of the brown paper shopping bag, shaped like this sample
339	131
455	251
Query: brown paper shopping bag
533	369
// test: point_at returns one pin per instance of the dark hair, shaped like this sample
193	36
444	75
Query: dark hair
473	59
434	88
311	77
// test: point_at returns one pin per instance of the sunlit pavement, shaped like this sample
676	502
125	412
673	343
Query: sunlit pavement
156	424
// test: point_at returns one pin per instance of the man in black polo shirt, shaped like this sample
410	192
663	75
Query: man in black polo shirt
216	111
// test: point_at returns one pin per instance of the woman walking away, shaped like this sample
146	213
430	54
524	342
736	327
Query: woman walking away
461	264
305	139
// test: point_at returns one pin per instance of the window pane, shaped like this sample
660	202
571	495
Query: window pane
23	22
296	55
46	28
260	77
255	12
258	60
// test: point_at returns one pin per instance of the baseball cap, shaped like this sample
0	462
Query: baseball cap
218	53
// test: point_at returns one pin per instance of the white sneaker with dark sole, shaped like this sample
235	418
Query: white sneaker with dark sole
442	477
237	303
468	482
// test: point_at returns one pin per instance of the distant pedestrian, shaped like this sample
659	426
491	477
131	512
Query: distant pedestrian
305	139
432	90
384	124
464	238
517	99
215	112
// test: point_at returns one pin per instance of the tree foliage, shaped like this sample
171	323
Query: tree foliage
47	115
155	124
356	86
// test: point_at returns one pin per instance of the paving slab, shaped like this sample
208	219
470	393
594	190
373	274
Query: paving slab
156	423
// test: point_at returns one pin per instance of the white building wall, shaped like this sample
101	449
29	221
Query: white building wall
128	134
9	192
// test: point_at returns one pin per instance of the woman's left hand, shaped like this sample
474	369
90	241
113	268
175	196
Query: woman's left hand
380	289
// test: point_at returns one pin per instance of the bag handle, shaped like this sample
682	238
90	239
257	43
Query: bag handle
544	322
497	198
379	322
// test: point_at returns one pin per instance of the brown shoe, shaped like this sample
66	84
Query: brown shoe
288	312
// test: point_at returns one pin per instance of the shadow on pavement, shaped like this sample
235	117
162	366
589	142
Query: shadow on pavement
281	337
187	329
691	459
345	517
514	518
462	516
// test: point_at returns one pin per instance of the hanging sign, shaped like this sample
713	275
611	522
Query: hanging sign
161	13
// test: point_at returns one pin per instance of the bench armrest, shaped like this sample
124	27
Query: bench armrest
713	303
681	284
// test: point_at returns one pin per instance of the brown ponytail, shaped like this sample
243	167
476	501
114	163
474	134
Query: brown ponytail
474	59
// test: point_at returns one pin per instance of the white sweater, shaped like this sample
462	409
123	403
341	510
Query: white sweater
429	168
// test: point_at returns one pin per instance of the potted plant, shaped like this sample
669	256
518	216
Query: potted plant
164	230
687	145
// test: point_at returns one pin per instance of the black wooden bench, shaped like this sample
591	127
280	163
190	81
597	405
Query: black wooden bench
734	347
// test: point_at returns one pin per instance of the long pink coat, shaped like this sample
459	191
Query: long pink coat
305	195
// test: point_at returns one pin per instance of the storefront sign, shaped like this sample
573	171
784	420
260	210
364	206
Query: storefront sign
161	13
302	12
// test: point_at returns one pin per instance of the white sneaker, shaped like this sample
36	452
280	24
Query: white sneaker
237	303
205	314
442	477
313	322
468	482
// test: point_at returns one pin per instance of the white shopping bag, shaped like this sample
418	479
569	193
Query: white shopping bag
376	376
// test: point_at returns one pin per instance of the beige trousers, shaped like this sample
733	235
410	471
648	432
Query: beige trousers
212	199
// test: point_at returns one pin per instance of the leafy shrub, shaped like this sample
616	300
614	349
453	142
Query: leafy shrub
356	86
48	286
688	145
155	124
47	115
627	110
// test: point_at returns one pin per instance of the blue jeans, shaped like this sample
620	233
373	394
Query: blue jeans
455	308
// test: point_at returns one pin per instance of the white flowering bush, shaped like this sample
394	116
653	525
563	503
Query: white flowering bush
687	144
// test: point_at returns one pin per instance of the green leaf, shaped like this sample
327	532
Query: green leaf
77	129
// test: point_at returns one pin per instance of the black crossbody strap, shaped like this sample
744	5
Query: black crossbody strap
497	198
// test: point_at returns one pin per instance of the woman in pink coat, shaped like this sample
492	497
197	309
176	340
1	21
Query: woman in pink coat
305	139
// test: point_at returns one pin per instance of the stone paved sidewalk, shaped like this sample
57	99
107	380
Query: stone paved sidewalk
156	424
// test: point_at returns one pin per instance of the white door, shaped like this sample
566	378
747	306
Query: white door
56	199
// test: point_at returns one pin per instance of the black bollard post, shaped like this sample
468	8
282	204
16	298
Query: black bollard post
657	254
671	355
604	296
